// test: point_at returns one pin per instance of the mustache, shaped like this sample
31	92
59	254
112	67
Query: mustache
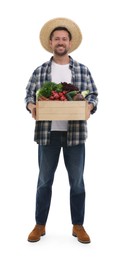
60	45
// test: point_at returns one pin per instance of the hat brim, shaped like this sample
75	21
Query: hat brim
72	27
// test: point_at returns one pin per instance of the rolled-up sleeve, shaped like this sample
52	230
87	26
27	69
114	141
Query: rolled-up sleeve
31	90
93	96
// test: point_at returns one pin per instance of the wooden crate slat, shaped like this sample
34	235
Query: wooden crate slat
61	110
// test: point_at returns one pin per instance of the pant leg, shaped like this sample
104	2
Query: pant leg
48	157
74	158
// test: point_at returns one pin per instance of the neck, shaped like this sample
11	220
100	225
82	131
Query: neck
61	60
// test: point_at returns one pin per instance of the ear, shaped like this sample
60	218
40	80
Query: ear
70	44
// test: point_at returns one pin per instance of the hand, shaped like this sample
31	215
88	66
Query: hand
32	108
89	108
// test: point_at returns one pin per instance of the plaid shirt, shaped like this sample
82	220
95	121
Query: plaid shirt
81	78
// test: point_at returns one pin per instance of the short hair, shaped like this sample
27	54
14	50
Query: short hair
61	28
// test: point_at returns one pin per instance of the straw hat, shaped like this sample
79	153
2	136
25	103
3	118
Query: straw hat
72	27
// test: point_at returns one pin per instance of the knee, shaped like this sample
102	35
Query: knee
78	186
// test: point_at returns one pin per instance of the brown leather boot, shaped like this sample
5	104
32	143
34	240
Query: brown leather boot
37	232
80	233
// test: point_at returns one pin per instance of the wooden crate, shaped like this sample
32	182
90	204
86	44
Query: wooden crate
61	110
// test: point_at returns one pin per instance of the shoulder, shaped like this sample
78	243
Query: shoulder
78	65
41	67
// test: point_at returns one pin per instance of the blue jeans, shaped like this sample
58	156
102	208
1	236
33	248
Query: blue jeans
74	158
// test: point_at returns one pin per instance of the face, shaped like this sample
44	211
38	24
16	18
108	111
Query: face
60	42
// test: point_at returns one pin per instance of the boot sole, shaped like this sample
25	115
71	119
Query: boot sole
81	241
33	241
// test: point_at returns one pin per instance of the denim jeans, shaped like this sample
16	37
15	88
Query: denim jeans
74	159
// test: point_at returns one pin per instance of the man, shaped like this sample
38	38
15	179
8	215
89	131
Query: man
61	36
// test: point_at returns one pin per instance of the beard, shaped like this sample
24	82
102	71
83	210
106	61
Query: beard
60	53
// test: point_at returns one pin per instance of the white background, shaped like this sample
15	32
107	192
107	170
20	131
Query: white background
20	54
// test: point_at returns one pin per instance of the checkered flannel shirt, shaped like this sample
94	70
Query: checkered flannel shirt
81	78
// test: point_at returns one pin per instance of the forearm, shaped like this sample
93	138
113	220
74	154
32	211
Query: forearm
92	101
90	106
30	97
32	108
